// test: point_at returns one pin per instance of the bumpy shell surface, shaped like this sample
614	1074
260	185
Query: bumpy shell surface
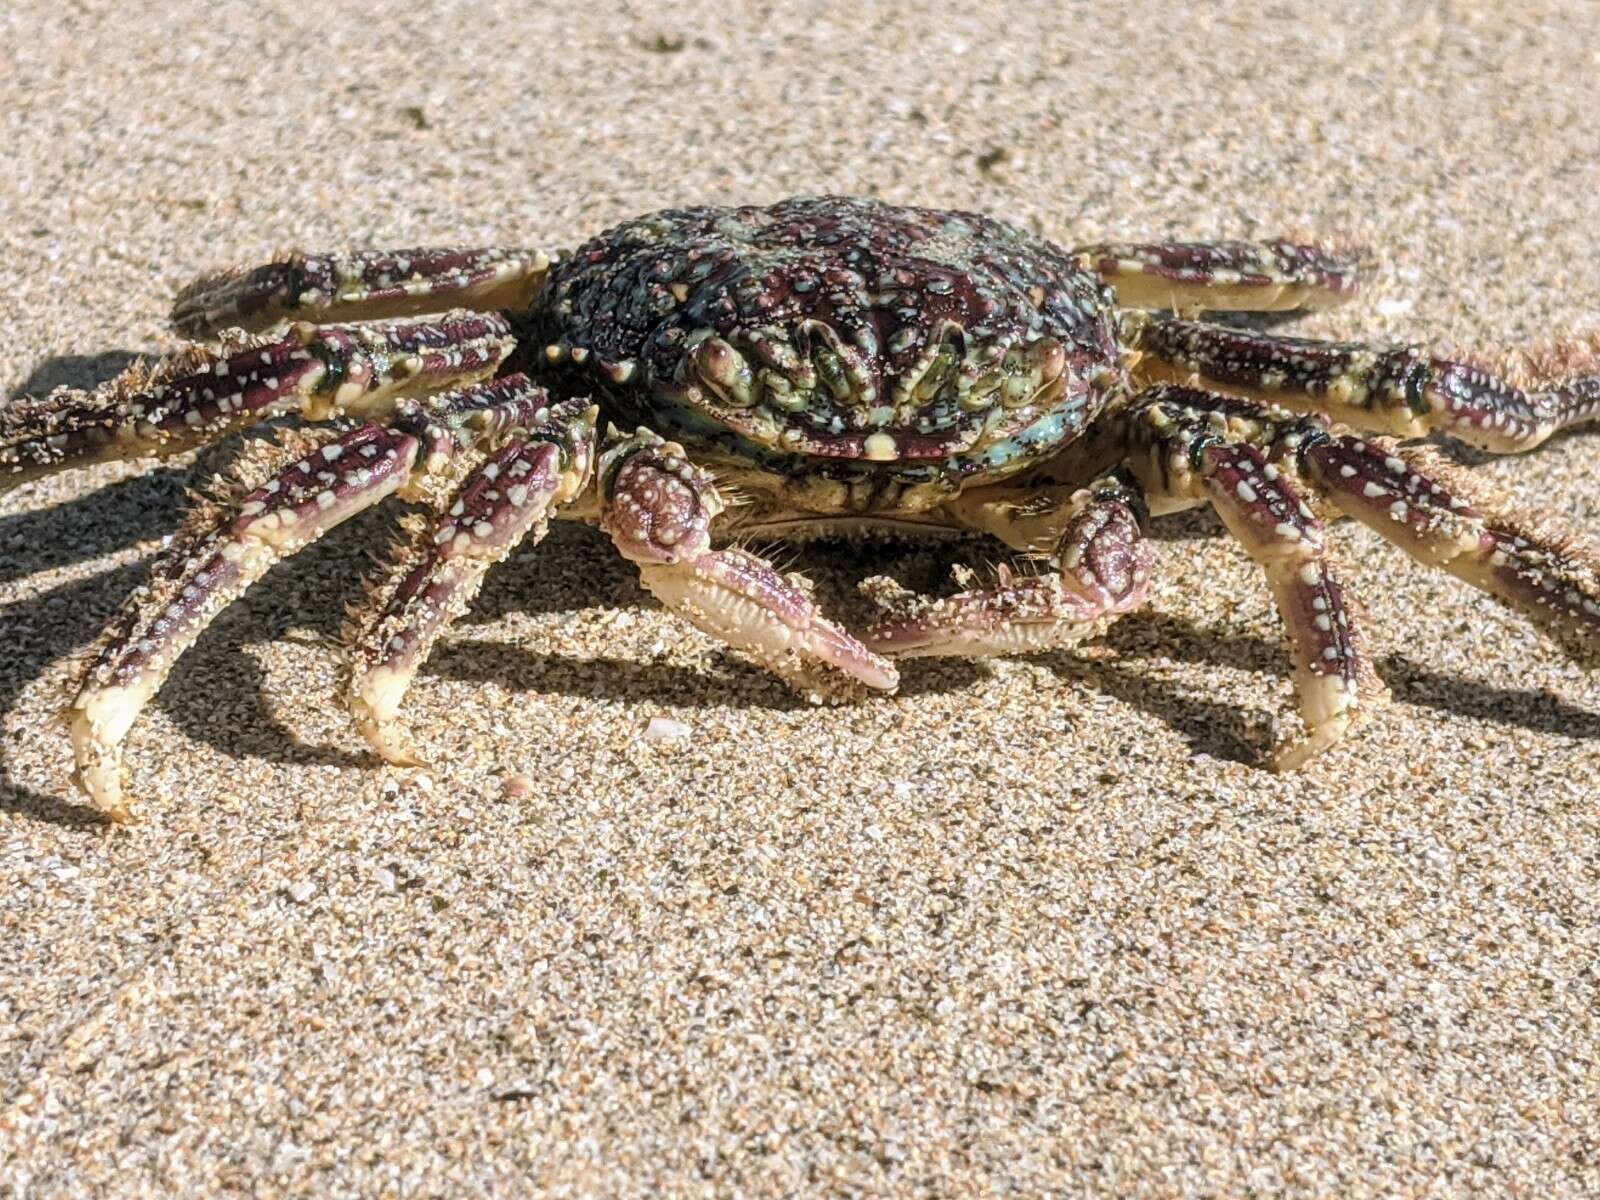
839	330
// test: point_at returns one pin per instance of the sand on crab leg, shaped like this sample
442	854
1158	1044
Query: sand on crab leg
502	504
314	482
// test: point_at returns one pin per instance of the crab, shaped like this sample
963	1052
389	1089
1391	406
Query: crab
700	380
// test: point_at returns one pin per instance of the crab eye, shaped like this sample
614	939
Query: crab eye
724	370
831	368
938	373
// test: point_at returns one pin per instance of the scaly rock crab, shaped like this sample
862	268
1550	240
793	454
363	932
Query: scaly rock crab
828	363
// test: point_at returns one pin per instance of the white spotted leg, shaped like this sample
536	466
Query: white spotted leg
1101	569
658	509
1397	390
1185	452
199	396
308	486
360	286
504	502
1415	499
1422	504
1270	276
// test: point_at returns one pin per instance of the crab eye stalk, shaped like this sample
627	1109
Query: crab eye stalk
724	370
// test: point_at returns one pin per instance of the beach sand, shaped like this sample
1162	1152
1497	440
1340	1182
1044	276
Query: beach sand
1032	926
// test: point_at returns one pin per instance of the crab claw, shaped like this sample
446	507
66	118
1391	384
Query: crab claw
1104	571
739	599
659	511
1014	616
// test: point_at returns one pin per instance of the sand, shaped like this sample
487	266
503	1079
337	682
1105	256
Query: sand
1031	927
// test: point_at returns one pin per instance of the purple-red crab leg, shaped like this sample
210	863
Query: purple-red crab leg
658	509
501	504
1102	569
1272	276
1181	454
229	543
1419	502
197	396
361	286
1409	495
1400	391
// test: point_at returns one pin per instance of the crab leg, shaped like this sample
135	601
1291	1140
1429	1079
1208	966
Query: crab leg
1417	501
658	509
1399	391
1271	276
196	396
1103	561
228	544
360	286
502	503
1181	452
1414	499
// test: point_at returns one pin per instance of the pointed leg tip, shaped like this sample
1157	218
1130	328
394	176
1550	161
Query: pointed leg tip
388	739
397	749
1293	753
391	743
100	777
1289	756
97	723
1331	709
120	815
374	701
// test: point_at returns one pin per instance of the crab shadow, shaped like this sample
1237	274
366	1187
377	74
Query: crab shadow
221	695
576	565
220	678
223	698
1471	457
83	371
1225	732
